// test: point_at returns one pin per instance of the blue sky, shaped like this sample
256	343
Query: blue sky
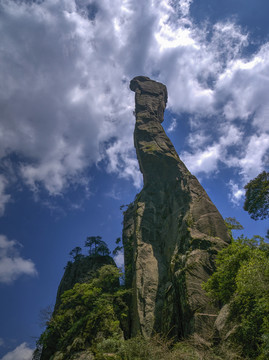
66	128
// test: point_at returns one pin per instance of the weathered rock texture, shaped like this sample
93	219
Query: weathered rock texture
172	231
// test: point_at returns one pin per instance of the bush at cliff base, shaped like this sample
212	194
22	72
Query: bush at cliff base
242	280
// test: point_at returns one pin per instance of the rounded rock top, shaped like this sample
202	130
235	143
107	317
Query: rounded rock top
148	86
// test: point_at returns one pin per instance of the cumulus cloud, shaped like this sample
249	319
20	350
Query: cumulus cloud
22	352
59	101
12	265
243	85
64	97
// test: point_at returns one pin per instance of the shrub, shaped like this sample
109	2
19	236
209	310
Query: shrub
88	313
242	280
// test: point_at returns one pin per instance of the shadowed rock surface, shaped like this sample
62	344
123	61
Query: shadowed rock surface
172	231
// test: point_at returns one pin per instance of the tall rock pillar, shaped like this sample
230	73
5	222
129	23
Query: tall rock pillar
172	231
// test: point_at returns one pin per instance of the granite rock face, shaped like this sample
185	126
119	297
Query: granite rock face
172	231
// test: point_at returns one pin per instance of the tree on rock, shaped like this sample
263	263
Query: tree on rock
232	224
102	249
76	253
92	242
118	248
96	246
257	197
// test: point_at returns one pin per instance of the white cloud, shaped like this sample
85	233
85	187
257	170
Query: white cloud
64	87
227	42
185	6
198	139
12	265
119	259
206	157
122	161
205	161
252	163
236	193
22	352
172	126
61	95
243	86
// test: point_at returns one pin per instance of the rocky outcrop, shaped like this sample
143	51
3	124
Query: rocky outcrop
82	270
172	231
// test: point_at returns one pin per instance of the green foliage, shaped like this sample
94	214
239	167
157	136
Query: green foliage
157	348
242	280
251	303
76	253
222	284
137	348
88	313
96	246
257	197
108	279
232	224
118	248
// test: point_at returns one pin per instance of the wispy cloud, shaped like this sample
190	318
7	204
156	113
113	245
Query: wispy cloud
185	6
172	126
12	265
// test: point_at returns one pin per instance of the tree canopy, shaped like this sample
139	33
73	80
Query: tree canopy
96	246
257	197
232	224
76	253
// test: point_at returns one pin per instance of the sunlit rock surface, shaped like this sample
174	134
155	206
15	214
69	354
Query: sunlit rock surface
172	231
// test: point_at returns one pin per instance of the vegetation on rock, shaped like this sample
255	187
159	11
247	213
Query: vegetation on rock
241	280
257	197
92	320
89	313
96	246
